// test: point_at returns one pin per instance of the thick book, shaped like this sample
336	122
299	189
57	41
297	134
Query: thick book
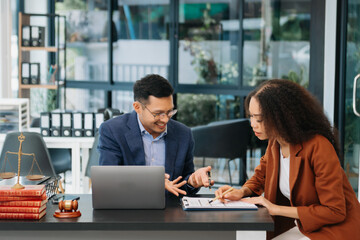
22	209
195	203
25	198
23	203
22	215
28	191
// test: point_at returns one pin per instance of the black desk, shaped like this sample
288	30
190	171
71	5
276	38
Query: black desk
170	223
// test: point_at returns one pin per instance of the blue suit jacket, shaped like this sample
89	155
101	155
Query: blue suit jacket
120	143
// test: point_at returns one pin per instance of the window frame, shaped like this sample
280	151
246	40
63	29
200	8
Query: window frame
316	71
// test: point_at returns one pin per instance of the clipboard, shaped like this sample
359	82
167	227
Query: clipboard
202	204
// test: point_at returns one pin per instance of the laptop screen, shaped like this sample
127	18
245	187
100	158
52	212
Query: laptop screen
128	187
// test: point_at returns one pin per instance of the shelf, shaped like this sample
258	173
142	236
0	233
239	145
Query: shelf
92	45
14	114
48	86
48	49
40	66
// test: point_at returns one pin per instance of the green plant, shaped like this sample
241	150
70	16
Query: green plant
51	100
228	72
259	74
196	109
203	62
297	78
207	69
42	100
71	4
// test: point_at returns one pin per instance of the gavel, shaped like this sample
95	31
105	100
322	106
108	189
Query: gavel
68	205
67	209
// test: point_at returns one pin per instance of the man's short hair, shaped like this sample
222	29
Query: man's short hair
152	85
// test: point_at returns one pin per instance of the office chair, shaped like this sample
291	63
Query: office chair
224	139
60	158
93	157
33	143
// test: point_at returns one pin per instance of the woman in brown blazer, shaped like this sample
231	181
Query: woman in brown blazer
300	173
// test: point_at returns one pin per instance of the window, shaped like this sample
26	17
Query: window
213	50
208	43
141	41
276	41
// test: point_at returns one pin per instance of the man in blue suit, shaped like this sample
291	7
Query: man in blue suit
148	136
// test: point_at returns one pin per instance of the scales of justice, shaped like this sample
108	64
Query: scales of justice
30	175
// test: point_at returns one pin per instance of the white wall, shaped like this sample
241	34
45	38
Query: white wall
5	49
329	58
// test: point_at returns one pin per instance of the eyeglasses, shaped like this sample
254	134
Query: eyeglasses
168	114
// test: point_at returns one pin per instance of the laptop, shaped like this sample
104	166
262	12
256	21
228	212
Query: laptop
128	187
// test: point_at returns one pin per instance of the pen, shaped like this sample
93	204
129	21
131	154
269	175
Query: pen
209	176
227	191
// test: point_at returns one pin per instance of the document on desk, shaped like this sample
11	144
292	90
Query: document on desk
195	203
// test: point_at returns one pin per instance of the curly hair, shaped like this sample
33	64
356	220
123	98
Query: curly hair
291	112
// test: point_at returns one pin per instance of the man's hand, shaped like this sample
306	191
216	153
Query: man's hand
201	178
174	186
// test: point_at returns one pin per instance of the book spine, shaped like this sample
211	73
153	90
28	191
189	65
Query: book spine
22	215
22	209
23	203
20	193
24	198
29	190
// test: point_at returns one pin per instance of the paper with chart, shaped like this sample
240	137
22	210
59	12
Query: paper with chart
196	203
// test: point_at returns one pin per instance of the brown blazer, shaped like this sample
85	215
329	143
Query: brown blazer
326	203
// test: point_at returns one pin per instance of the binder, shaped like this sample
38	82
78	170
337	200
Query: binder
25	41
45	124
41	36
99	119
55	124
66	126
77	124
35	73
37	36
88	124
25	73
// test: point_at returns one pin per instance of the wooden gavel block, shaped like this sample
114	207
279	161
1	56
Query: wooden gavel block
68	205
67	209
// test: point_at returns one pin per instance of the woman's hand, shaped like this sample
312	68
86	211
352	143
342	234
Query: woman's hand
272	208
234	195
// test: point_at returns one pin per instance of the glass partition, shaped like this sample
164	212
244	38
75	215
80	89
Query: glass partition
208	42
352	96
140	39
87	46
84	100
201	109
276	41
123	100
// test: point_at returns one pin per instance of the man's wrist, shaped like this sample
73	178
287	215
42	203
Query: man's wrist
191	189
190	181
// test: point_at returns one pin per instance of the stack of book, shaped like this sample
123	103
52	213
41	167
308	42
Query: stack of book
27	203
